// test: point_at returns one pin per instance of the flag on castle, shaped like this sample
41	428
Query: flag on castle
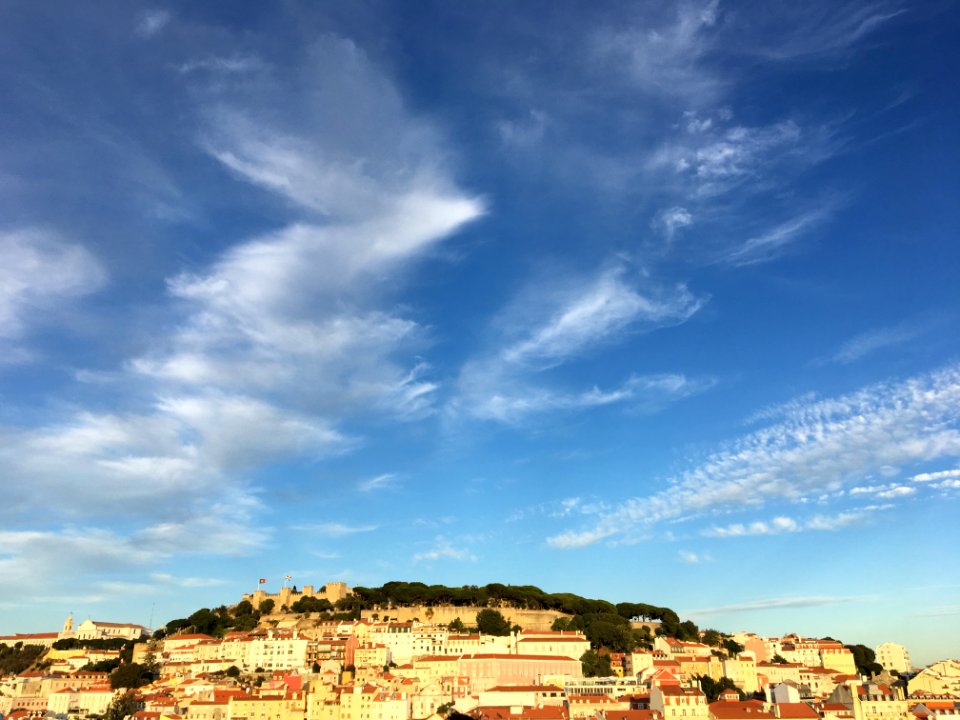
288	578
263	581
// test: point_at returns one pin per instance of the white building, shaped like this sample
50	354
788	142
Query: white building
893	657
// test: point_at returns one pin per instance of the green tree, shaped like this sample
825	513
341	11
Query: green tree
865	659
457	626
130	675
712	688
595	664
14	660
177	625
122	706
561	623
266	606
205	621
732	647
712	638
311	604
244	607
107	666
643	638
233	671
779	659
492	622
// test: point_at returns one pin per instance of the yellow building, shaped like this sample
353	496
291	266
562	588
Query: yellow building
368	702
838	658
290	706
675	702
743	671
940	679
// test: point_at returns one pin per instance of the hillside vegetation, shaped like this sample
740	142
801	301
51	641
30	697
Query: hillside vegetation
606	625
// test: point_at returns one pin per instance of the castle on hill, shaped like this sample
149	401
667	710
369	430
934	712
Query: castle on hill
332	591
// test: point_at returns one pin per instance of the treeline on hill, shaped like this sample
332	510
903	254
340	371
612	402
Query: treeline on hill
605	624
17	658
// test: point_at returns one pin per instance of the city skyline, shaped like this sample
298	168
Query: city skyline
646	302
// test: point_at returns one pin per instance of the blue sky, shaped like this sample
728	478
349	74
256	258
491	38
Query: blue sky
642	301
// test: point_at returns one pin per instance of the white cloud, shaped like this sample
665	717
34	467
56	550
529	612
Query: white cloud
270	347
152	22
39	273
777	604
103	562
235	64
509	401
692	558
379	482
781	524
939	475
767	245
303	313
444	550
663	56
524	132
870	342
818	448
896	492
187	582
559	322
570	539
797	32
887	492
604	308
335	529
673	219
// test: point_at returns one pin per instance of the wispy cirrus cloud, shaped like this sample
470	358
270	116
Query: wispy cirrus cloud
334	529
39	274
693	558
772	242
378	482
779	604
785	32
102	560
818	448
152	22
233	64
572	539
268	346
443	549
873	341
599	311
664	55
555	325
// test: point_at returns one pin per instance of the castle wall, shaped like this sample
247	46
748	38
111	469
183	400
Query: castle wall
332	591
446	614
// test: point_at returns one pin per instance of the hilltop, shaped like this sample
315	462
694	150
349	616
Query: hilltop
619	627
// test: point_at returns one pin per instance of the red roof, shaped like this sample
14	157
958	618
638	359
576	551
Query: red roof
795	711
633	715
746	710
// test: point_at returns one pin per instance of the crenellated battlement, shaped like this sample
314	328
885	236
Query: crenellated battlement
332	591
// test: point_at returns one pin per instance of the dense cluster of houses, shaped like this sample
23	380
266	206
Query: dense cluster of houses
363	670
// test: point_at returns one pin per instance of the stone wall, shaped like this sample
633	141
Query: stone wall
332	591
446	614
